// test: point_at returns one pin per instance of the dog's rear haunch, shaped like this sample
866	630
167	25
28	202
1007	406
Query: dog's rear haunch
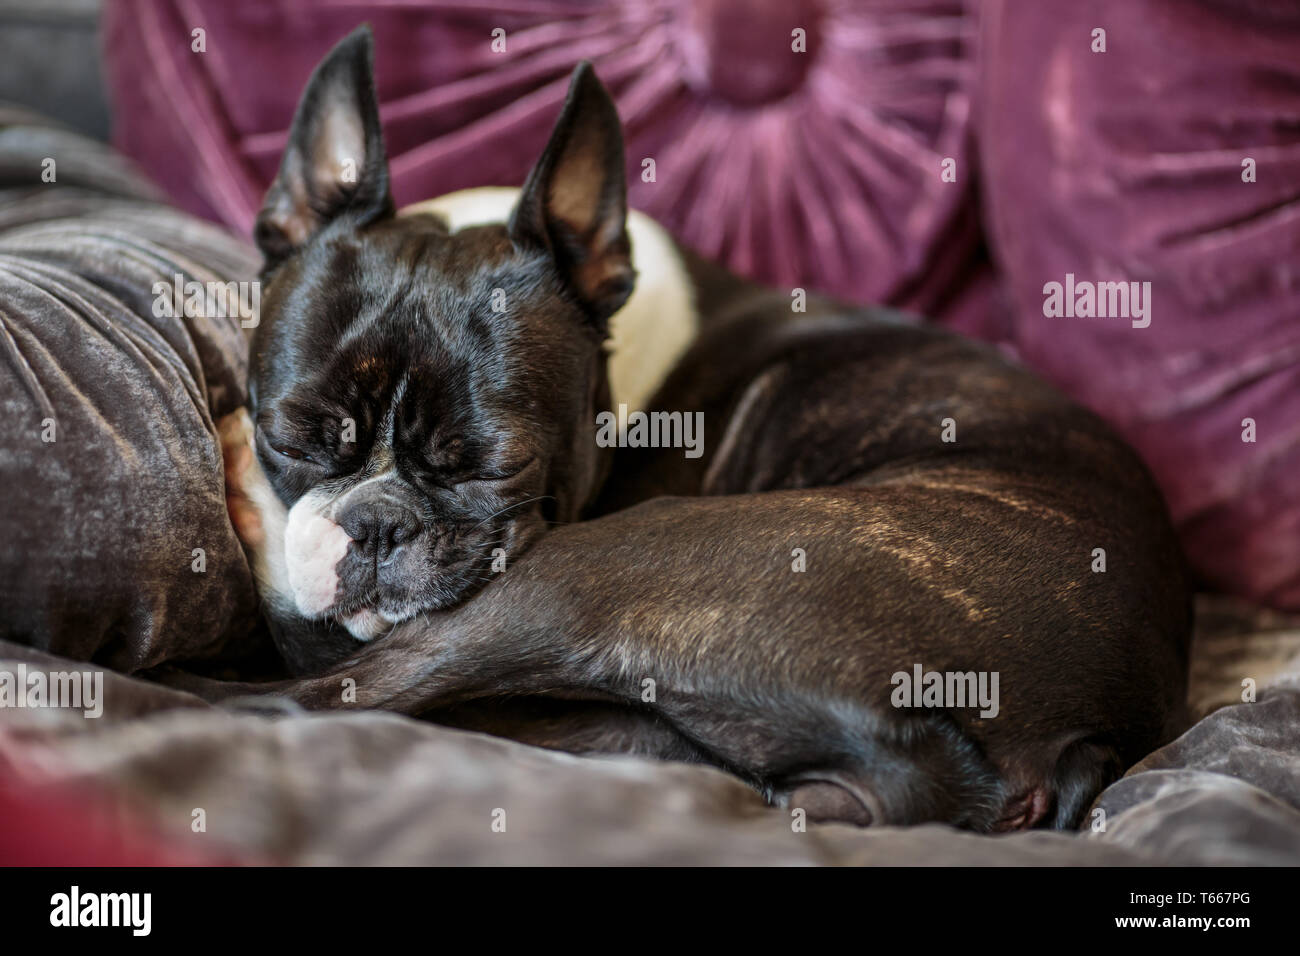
873	497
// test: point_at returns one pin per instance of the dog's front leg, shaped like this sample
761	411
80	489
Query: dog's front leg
781	677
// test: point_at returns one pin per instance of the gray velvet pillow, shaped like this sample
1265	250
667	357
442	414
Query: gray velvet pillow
115	543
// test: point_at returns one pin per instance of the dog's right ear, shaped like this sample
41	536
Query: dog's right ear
334	163
574	202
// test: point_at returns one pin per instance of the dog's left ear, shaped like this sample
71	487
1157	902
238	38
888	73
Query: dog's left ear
574	203
334	164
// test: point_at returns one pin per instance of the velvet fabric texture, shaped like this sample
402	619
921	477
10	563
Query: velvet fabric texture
792	167
1128	165
824	169
286	787
117	544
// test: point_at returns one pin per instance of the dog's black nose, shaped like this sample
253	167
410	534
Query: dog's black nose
380	527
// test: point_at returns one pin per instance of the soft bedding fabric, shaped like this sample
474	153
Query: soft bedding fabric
791	158
117	543
374	788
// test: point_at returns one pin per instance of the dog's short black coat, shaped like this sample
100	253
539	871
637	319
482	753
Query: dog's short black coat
823	433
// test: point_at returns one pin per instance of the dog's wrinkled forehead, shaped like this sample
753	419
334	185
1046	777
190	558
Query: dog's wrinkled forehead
367	306
448	327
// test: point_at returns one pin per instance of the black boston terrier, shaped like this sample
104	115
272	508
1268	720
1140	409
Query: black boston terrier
900	580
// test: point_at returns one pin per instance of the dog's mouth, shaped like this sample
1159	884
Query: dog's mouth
367	623
381	608
381	602
376	614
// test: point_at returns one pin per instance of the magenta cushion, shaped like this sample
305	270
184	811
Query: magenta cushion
795	168
1128	165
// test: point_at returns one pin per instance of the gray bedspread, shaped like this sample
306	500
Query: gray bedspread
375	788
97	572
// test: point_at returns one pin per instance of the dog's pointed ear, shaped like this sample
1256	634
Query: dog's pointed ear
574	202
334	163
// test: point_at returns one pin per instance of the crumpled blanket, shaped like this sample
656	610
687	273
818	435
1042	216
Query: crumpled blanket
376	788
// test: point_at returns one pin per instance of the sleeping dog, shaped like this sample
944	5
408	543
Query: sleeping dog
887	525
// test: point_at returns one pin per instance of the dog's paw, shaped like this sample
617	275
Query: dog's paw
830	797
235	432
827	802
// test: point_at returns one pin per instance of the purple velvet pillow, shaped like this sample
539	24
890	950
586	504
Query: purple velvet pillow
816	167
1131	165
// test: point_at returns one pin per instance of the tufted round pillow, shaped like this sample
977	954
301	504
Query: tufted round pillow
799	141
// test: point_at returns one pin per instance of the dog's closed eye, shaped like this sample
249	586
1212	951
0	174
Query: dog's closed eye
451	480
283	449
289	452
491	477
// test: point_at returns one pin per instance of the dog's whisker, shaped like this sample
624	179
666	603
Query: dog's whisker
517	504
